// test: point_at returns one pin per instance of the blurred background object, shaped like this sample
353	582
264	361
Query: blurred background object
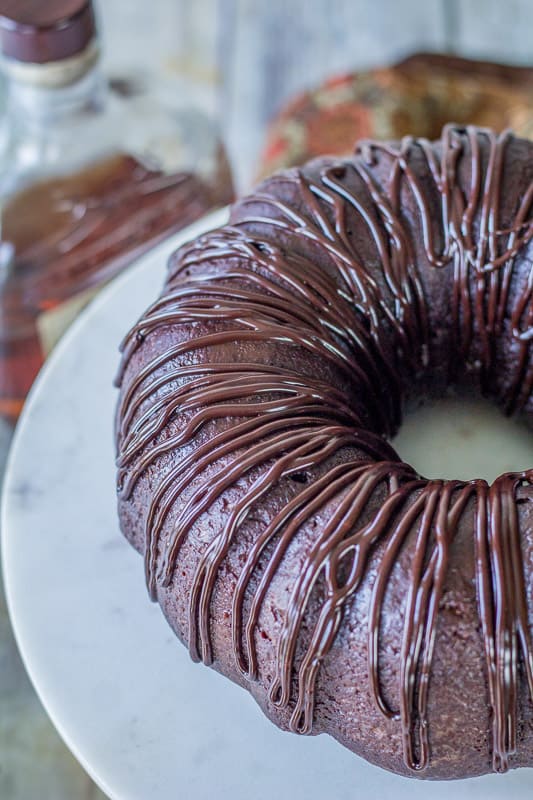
241	61
253	57
92	174
419	95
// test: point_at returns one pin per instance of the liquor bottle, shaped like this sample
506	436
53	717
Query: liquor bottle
89	179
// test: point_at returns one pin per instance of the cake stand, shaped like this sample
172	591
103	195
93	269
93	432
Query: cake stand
144	721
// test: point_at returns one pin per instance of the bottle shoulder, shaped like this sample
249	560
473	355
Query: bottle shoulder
161	137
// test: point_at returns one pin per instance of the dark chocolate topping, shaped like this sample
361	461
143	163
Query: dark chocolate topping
38	32
339	268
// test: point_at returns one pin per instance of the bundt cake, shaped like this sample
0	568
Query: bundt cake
285	540
415	96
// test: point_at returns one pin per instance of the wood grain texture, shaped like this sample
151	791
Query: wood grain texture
493	29
251	55
255	54
276	48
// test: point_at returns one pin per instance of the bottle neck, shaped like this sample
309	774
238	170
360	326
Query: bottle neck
43	93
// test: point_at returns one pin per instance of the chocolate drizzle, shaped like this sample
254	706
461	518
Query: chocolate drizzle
325	263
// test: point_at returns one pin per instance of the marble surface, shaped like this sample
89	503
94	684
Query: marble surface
140	716
35	764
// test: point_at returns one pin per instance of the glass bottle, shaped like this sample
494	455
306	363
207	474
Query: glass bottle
89	179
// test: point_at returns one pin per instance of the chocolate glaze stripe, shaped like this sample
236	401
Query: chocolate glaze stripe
473	238
326	307
294	278
319	335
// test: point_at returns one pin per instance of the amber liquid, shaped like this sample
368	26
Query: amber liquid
76	232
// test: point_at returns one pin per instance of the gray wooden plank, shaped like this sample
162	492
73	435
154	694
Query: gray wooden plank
245	57
494	30
276	48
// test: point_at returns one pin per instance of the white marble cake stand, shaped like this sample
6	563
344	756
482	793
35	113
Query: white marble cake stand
146	723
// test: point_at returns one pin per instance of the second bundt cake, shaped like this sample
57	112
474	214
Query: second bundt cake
415	96
286	542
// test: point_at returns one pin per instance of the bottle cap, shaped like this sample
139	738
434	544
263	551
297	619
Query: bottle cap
43	31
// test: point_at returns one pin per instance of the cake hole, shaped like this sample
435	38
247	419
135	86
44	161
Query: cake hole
338	172
464	439
298	477
259	246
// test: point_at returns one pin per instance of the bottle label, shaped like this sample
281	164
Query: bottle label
52	324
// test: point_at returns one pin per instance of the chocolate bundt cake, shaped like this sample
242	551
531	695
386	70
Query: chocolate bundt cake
285	540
